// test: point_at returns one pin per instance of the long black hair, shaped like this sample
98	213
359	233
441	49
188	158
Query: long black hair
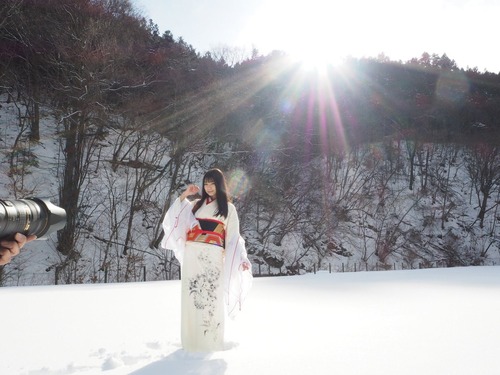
216	176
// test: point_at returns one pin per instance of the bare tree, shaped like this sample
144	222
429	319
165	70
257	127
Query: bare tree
483	167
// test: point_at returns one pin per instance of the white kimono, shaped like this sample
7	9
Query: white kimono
210	250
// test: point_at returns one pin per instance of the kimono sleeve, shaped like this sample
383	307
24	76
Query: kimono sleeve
237	281
176	223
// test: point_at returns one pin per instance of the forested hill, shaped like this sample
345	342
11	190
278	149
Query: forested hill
369	164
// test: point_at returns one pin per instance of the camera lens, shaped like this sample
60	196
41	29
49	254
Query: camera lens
30	216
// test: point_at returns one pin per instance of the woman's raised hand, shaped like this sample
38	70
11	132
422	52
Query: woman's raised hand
191	190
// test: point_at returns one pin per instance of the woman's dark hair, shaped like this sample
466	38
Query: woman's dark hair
215	175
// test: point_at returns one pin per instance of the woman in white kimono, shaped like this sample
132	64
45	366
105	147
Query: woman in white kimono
216	273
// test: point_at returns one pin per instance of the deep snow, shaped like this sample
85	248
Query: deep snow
435	321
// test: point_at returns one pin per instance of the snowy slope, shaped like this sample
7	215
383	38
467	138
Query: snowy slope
434	321
414	232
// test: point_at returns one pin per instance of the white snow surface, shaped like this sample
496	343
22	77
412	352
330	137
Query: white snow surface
433	321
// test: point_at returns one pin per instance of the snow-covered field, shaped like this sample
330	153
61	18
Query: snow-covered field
435	321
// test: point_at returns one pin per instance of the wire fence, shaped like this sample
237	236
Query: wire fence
258	270
266	270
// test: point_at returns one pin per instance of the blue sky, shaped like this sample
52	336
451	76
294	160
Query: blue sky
327	30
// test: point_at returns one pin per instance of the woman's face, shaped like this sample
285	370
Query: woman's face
210	188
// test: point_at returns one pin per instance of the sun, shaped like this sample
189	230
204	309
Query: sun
316	59
316	34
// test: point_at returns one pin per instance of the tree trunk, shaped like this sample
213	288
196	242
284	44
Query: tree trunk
70	190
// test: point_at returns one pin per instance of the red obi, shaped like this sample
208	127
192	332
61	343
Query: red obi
208	231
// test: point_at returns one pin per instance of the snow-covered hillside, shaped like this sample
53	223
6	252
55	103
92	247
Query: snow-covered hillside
39	179
373	221
433	322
